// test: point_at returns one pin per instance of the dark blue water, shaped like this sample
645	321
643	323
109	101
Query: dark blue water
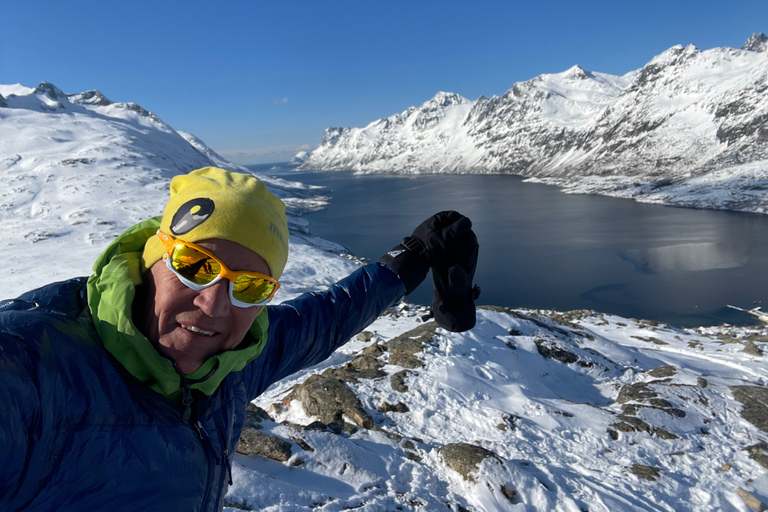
540	248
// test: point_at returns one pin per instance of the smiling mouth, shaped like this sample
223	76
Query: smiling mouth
197	330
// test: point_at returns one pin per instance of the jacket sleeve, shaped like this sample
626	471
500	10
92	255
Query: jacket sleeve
307	330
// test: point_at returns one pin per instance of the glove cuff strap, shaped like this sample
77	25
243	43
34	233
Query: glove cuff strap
413	244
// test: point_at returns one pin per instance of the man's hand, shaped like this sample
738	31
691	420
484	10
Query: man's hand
446	243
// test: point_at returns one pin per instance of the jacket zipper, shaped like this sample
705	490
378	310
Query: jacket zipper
187	401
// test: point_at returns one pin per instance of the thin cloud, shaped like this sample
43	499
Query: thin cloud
280	101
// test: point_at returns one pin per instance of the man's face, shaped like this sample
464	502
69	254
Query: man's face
190	326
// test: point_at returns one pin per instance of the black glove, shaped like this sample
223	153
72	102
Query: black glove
454	301
442	242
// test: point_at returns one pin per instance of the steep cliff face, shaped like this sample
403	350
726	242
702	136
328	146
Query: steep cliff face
687	115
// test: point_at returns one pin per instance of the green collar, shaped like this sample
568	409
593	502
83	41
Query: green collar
111	290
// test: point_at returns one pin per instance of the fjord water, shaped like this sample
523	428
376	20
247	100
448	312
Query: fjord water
540	248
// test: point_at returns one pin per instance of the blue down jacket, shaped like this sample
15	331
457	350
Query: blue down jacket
78	432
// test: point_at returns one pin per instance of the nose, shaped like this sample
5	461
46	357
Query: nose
214	300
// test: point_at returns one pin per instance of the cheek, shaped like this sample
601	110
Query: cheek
242	321
170	293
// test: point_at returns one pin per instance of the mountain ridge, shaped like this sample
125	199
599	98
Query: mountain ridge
689	128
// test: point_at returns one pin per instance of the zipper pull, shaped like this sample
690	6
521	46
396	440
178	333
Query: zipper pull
200	430
186	400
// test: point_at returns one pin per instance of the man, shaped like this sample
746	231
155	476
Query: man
128	391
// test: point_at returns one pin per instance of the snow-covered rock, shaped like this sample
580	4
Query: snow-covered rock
689	128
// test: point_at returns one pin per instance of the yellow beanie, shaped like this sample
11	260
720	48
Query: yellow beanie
214	203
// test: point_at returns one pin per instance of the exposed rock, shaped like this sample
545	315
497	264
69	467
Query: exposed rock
650	339
254	415
374	350
646	472
637	392
255	442
759	453
329	399
403	348
398	407
752	349
751	500
413	456
413	341
365	336
755	400
398	381
302	443
364	366
756	43
508	493
756	337
333	427
665	434
89	98
464	458
365	362
405	361
658	404
662	372
634	424
549	350
349	374
573	316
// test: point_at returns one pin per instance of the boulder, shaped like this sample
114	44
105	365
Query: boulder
256	442
465	458
329	399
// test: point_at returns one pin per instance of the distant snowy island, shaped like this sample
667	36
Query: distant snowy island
690	128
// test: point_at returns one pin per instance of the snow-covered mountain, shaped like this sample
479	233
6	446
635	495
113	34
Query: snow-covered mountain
688	128
529	411
80	168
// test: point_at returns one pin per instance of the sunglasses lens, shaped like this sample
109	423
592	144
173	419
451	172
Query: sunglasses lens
251	289
194	265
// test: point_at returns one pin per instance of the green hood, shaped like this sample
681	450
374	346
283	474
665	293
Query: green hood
111	290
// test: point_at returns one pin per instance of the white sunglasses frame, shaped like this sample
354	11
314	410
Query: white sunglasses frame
198	287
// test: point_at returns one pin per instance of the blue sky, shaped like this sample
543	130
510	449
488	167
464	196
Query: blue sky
259	80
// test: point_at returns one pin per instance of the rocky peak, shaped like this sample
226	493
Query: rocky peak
89	98
332	135
3	103
445	99
50	91
756	43
674	55
578	73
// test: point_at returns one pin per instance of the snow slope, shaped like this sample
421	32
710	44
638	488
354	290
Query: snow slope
688	129
77	170
573	412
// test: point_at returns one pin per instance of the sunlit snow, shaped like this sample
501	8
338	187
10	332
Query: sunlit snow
540	389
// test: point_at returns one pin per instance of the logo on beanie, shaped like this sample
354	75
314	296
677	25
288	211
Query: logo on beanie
190	215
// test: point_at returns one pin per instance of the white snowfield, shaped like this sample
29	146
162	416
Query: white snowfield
686	129
579	412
